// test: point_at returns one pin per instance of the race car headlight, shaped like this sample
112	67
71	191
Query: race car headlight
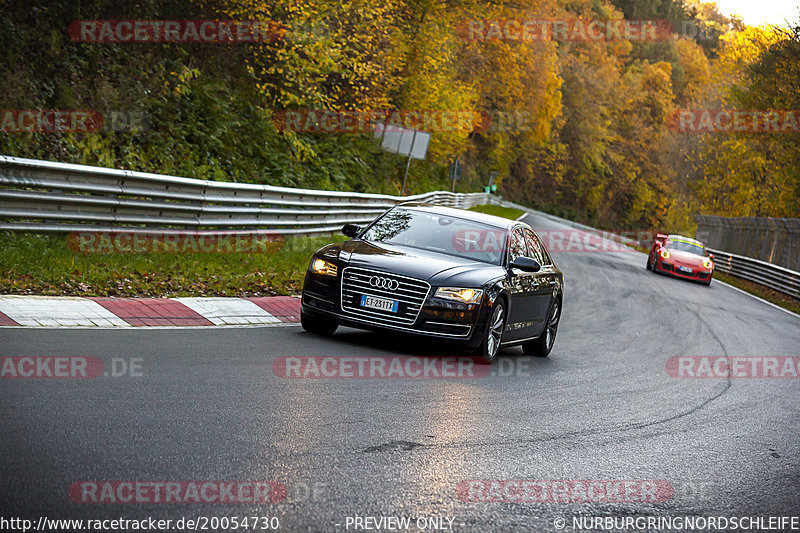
469	296
664	254
707	263
326	268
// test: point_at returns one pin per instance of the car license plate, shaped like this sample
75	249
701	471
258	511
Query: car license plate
379	303
685	269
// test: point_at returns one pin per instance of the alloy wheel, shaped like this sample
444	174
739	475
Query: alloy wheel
552	326
495	331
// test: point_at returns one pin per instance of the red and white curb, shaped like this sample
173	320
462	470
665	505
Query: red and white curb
62	311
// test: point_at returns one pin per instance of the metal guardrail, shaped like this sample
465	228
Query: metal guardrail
773	276
45	196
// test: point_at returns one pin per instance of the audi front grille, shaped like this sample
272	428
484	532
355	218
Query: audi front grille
410	293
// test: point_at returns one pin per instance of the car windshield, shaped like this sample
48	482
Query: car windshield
686	246
439	233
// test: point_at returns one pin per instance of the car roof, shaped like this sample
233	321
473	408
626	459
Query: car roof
491	220
682	238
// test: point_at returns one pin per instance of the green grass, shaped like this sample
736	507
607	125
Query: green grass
45	265
499	211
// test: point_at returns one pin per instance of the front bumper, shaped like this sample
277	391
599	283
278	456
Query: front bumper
665	267
438	319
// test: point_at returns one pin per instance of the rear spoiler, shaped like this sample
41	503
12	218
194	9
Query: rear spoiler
660	237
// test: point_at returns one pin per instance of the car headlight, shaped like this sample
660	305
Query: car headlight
664	254
469	296
707	263
326	268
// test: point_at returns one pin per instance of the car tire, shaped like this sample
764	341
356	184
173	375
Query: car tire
490	345
542	345
648	266
318	325
707	283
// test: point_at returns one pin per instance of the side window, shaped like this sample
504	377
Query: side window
535	249
516	246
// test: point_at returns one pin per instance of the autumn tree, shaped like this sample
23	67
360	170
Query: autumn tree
747	173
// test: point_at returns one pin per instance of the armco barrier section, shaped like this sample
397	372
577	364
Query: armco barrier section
773	276
46	196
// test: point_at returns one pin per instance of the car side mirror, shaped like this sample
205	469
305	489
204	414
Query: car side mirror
526	264
711	256
351	230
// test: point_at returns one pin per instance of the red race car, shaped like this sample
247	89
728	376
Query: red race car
681	257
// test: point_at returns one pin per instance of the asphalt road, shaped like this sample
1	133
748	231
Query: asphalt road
208	406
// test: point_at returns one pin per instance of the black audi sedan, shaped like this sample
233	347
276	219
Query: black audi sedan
476	279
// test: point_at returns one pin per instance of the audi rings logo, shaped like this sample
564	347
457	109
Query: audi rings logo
383	283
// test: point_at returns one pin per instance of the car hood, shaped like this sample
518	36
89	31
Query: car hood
436	268
686	258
